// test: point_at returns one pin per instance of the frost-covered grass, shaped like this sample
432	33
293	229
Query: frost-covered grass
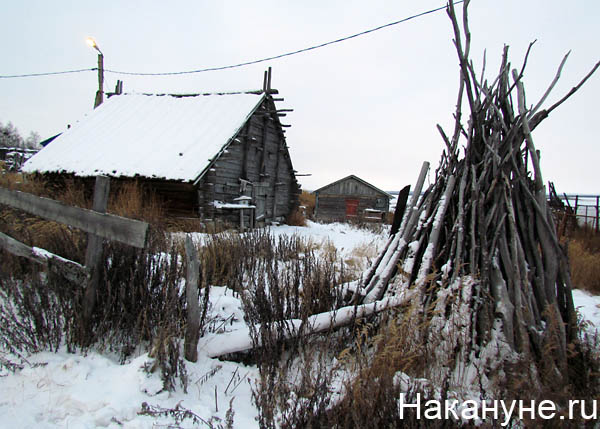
57	390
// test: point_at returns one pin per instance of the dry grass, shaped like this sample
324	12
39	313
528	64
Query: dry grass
585	267
130	199
584	259
296	218
308	201
21	182
35	231
127	199
360	257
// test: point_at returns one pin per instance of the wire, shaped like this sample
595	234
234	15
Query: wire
247	63
46	74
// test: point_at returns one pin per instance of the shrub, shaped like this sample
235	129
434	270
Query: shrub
296	218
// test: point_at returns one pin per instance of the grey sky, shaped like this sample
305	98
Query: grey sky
367	106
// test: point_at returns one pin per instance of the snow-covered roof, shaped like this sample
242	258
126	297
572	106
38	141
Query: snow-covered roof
156	136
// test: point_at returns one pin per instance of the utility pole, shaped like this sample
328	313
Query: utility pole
100	93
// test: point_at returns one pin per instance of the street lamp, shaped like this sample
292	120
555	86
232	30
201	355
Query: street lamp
100	93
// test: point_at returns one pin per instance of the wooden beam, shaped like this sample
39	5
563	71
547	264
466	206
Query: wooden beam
245	147
192	330
265	82
263	147
400	208
93	254
128	231
275	180
65	267
241	339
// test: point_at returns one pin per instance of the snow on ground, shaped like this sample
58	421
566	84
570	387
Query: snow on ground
344	237
588	306
357	247
60	390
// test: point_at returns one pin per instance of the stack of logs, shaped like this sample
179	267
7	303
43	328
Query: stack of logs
485	218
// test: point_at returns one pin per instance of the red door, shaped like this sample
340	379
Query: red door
351	207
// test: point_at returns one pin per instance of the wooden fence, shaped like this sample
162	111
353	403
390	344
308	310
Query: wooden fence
584	208
100	226
96	222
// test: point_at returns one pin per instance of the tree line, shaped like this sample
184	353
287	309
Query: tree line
10	137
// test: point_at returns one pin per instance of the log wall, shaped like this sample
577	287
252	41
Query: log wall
258	155
331	201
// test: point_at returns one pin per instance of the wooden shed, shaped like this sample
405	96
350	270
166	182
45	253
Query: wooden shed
351	198
214	156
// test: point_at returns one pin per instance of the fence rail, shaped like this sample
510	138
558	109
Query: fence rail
112	227
584	208
98	224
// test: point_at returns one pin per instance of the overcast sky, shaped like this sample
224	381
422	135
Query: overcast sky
368	106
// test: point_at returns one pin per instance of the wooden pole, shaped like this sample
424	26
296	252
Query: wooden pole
192	332
93	252
241	340
269	80
100	92
400	208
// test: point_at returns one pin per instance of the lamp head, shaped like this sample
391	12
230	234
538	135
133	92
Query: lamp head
92	43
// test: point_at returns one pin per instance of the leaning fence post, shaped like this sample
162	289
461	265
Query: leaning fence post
192	331
93	252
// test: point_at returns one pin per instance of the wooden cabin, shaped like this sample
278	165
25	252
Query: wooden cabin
351	198
217	157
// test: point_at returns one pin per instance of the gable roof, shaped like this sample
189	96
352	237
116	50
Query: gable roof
156	136
352	176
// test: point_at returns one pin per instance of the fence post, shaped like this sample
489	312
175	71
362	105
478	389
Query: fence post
597	214
94	250
192	330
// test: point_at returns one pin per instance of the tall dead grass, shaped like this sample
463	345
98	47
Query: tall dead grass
308	201
140	301
584	259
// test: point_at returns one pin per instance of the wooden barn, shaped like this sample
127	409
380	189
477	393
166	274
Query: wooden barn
220	157
351	198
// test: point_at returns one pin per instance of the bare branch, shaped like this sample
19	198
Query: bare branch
574	89
554	81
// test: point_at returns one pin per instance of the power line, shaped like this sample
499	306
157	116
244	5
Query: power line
287	54
46	74
247	63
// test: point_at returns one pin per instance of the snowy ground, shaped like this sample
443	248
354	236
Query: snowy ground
588	306
61	390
